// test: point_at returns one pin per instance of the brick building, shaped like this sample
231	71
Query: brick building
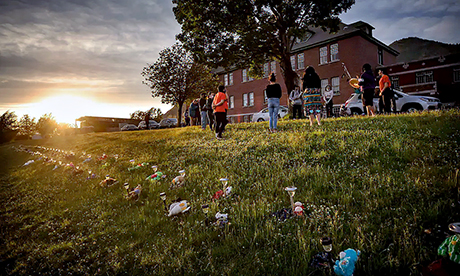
352	45
436	76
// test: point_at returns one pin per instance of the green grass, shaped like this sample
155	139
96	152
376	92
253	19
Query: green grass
374	184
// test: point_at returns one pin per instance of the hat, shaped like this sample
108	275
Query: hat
326	241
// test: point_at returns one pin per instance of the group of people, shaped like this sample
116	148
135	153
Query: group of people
367	85
209	110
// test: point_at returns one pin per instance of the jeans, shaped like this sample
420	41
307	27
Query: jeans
204	117
273	107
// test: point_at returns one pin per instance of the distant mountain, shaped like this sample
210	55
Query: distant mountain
414	48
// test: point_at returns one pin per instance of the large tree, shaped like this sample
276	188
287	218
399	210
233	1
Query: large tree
27	125
8	126
176	77
251	32
46	125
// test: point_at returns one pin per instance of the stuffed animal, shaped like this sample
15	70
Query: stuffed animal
108	181
345	266
138	166
178	207
178	181
135	193
221	220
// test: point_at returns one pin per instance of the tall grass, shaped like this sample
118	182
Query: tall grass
374	184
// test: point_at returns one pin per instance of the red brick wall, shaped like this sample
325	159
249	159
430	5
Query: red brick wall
354	52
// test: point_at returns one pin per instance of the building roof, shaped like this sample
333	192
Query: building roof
320	37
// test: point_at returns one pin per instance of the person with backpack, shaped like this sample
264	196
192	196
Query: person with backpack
296	100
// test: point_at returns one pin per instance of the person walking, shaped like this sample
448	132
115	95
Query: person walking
193	112
311	86
210	112
385	91
220	106
203	111
367	83
296	100
273	92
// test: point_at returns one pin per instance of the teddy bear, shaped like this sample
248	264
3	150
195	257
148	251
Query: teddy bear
345	266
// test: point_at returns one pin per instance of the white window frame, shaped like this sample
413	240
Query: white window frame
273	66
423	77
335	84
231	102
456	75
245	100
323	55
225	80
334	50
395	82
266	70
301	61
293	58
251	99
244	74
380	56
265	96
230	79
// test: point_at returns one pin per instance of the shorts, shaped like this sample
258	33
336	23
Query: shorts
368	97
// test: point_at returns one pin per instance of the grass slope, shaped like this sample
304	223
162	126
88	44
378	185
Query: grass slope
374	184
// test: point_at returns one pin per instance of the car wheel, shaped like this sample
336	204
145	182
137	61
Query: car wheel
355	111
260	120
413	108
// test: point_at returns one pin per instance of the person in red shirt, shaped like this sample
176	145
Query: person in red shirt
385	91
220	106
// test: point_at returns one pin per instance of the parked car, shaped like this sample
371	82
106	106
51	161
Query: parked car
263	114
152	125
169	122
404	103
129	127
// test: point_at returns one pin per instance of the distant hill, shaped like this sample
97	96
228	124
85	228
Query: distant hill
414	48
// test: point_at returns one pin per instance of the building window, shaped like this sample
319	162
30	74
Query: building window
335	52
335	81
231	103
395	82
324	83
380	54
273	66
424	77
457	75
245	100
323	55
225	80
251	99
245	75
300	61
266	71
293	62
230	79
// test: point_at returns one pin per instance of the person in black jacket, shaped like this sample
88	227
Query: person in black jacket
203	110
273	92
312	95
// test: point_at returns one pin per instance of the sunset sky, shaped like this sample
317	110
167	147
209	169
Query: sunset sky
84	57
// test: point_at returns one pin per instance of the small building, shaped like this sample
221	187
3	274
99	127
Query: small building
104	124
435	76
352	45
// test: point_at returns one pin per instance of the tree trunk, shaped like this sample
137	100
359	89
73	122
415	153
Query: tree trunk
179	113
290	77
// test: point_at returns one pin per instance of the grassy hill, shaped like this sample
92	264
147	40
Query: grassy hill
387	186
414	48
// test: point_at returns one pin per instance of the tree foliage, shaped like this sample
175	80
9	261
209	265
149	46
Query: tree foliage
8	126
250	32
46	125
175	77
138	115
154	114
27	125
